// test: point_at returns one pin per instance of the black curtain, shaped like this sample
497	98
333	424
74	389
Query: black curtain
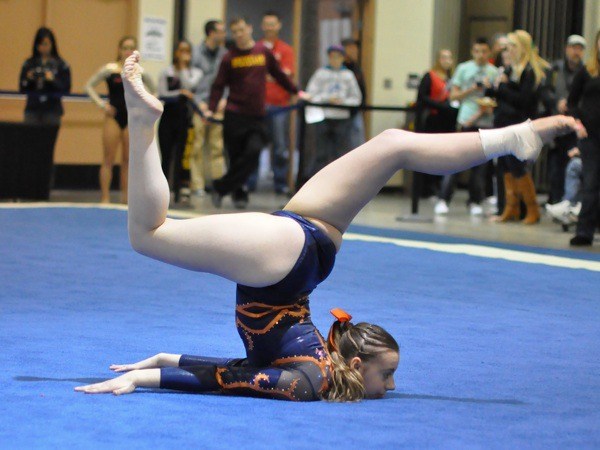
549	22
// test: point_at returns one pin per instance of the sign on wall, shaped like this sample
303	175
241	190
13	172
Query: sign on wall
154	39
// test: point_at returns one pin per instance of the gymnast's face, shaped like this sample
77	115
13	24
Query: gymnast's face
378	373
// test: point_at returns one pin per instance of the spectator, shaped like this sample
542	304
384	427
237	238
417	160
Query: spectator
45	77
584	103
351	61
467	86
499	44
115	131
208	134
176	87
434	113
560	81
569	208
278	124
334	84
243	69
516	93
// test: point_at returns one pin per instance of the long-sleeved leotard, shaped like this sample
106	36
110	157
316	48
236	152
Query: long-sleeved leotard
286	356
111	74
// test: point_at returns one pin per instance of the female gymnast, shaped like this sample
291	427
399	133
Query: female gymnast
115	125
278	259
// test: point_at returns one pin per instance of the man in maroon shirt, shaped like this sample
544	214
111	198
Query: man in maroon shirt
244	69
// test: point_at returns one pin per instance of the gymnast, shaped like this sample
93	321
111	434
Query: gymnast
278	259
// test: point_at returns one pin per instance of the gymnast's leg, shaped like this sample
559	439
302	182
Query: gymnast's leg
253	248
334	196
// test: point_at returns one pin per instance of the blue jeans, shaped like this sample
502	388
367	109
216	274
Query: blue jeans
573	175
357	131
278	130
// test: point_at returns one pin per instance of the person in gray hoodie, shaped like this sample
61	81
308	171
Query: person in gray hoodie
207	57
333	84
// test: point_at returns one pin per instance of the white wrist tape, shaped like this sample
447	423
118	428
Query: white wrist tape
520	140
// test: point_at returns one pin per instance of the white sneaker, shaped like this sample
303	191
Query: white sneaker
558	209
492	200
475	209
441	207
575	210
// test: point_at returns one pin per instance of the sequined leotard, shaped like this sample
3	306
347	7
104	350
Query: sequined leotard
286	356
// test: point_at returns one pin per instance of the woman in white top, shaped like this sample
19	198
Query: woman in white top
115	125
176	87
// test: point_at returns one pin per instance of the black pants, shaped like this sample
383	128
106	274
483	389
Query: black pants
172	137
332	141
243	137
436	123
590	191
512	165
476	181
43	117
557	163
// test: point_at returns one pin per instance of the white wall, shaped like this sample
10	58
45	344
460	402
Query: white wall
198	13
164	9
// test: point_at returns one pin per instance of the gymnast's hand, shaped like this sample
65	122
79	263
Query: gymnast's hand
125	384
149	363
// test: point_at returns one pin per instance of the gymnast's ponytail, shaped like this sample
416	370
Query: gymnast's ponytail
346	341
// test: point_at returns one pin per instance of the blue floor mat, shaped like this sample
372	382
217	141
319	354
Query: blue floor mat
494	353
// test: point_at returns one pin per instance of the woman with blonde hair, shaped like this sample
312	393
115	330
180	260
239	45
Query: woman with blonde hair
115	132
278	259
584	103
517	100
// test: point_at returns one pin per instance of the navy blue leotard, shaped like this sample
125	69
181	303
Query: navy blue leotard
286	356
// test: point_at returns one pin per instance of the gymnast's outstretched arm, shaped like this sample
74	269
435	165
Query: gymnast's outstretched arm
297	381
260	249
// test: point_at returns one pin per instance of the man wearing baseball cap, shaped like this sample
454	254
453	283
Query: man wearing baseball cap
333	84
562	73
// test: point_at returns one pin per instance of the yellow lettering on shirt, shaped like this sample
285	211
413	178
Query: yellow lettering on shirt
248	61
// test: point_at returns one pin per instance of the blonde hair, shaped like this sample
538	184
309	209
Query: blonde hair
529	54
593	64
345	342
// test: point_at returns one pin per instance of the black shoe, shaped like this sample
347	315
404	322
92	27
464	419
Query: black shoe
580	241
216	198
240	198
240	203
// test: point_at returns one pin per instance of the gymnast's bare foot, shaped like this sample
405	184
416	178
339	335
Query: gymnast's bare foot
549	128
141	105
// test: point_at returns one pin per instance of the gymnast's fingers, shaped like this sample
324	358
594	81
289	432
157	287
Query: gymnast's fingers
124	390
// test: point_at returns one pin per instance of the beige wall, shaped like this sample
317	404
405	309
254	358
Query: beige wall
446	26
403	44
85	42
591	21
198	13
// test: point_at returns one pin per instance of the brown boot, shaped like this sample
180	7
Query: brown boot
512	210
527	188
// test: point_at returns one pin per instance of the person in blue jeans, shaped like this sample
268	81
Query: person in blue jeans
567	210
